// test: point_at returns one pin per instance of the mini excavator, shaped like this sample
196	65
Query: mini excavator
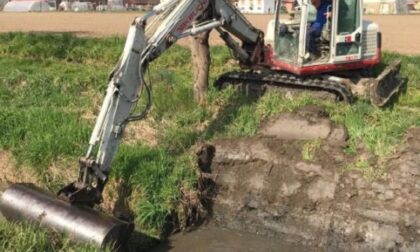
349	49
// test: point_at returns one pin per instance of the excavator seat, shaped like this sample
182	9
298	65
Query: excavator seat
323	42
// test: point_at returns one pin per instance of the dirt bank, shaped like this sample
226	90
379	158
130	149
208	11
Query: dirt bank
268	185
399	32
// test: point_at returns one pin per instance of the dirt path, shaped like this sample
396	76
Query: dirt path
400	33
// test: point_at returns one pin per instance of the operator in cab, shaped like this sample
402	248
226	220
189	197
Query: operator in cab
315	30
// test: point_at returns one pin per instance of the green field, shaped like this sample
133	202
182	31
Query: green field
51	88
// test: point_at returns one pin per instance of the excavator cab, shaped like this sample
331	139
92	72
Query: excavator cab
340	42
346	51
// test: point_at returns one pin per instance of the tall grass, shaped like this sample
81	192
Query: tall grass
157	178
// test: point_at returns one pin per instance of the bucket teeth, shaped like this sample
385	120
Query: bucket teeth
25	202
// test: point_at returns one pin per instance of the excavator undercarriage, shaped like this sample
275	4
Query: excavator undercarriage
346	89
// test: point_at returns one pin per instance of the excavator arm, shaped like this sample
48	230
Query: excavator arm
145	42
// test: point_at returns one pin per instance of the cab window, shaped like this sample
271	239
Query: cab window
349	16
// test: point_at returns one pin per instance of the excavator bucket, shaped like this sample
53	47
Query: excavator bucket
386	85
25	202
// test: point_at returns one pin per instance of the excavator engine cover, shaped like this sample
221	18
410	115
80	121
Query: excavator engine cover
25	202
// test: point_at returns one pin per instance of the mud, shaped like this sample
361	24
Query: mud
216	239
264	186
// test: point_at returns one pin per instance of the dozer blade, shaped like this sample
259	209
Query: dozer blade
25	202
386	85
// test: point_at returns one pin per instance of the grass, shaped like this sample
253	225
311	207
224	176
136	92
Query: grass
310	148
24	237
157	177
48	95
380	130
51	86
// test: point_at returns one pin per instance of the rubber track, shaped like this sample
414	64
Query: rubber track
260	79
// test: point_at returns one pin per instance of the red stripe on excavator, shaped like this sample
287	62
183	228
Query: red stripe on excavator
318	69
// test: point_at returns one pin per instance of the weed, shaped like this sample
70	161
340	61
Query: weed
310	148
370	171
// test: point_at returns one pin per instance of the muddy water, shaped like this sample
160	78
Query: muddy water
216	239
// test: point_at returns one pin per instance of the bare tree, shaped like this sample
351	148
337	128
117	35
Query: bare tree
201	65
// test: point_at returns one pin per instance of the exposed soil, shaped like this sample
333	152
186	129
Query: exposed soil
265	186
9	173
141	132
12	172
400	33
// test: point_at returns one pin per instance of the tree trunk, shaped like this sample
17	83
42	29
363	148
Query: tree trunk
201	65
